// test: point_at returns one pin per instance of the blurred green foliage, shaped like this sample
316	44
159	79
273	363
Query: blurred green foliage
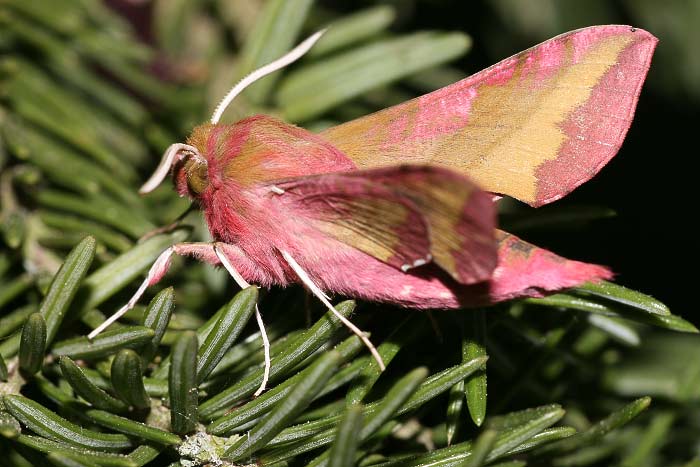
86	108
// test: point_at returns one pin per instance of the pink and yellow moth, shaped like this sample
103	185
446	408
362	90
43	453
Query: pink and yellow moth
399	206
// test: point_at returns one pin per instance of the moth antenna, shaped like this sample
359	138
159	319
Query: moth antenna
242	283
293	55
306	280
174	153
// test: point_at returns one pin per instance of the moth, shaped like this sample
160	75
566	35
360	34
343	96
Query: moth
400	206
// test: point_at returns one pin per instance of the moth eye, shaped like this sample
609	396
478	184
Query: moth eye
197	180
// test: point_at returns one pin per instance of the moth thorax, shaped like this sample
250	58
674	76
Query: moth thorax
197	179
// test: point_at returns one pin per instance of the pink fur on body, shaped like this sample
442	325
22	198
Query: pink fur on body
269	187
256	224
358	275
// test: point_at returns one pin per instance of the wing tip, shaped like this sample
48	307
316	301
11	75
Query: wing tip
551	185
528	271
642	34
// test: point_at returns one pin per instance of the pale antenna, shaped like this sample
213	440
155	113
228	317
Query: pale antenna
293	55
174	153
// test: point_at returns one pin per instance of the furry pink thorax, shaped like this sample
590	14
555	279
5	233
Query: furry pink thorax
242	211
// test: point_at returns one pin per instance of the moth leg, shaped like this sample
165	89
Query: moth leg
201	251
209	253
306	280
242	283
168	228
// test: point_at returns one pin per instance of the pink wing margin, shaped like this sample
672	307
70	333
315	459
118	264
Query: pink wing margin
525	270
598	128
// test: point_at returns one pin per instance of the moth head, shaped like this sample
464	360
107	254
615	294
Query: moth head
191	172
190	176
188	165
189	169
